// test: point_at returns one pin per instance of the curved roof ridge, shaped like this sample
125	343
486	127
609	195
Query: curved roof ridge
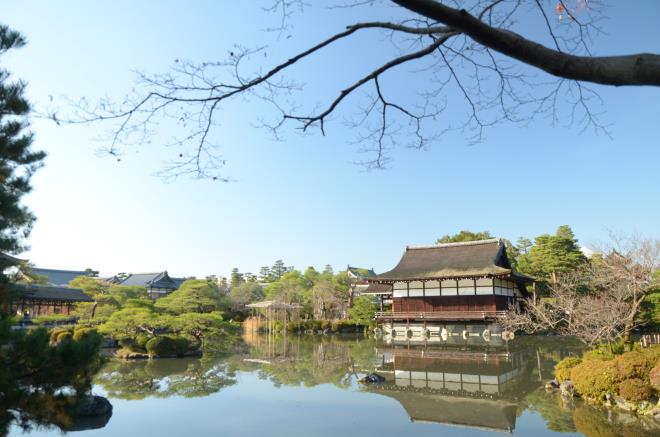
462	243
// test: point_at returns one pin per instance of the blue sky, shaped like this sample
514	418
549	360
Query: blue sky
303	199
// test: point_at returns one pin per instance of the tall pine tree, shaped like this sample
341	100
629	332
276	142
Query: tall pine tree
551	255
18	161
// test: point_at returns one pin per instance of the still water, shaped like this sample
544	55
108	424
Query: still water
308	386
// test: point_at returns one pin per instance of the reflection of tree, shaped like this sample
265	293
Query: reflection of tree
164	378
41	384
308	361
575	416
558	417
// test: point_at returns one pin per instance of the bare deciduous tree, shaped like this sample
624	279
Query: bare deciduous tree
465	52
601	300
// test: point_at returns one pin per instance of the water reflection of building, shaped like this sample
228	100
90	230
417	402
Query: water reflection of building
473	388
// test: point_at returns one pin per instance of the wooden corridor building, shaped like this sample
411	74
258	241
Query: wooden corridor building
454	282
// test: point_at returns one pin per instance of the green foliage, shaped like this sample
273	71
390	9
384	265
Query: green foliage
464	236
363	310
86	334
236	277
129	322
19	162
550	255
635	364
348	326
635	390
245	293
650	312
194	295
55	332
595	378
198	326
564	367
50	318
36	372
167	346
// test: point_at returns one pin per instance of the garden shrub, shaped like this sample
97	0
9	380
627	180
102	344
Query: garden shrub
167	346
55	332
127	343
634	365
564	367
64	336
635	390
141	340
325	324
594	378
84	333
293	327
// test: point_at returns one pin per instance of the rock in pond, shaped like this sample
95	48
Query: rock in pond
552	385
93	406
373	378
567	388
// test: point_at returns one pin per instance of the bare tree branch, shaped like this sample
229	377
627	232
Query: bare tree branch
637	69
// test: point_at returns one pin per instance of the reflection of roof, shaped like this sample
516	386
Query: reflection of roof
474	413
451	260
47	292
154	280
59	277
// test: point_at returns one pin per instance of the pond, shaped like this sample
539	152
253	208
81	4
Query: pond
308	386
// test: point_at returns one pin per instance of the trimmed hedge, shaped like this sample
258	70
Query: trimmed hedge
86	334
166	346
635	390
564	367
595	377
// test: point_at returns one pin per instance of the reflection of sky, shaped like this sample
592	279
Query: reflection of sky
303	200
255	407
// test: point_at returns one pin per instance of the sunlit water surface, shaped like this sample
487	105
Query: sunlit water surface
308	386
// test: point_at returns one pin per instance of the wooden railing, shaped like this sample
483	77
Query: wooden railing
440	315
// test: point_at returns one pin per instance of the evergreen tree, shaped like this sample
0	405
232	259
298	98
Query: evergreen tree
464	236
236	277
278	269
264	274
18	161
551	255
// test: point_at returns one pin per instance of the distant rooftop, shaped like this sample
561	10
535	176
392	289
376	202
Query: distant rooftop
59	277
51	293
361	273
155	280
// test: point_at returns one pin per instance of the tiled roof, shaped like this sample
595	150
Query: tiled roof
375	288
47	292
361	273
450	260
59	277
155	280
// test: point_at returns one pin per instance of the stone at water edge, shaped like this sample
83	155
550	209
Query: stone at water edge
567	388
373	378
93	406
552	385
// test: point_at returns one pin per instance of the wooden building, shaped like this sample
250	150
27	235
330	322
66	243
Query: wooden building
30	300
448	288
158	284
